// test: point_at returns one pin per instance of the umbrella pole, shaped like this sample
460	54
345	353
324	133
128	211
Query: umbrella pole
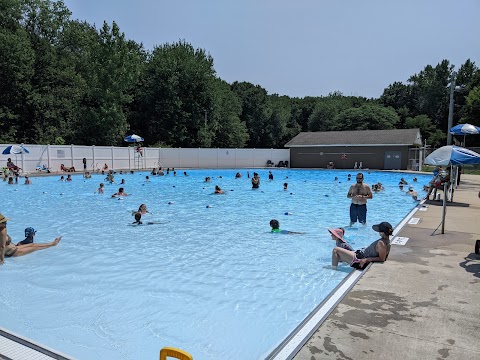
444	208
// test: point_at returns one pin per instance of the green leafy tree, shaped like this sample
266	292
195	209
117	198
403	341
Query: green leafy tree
323	117
430	92
114	68
367	117
255	111
176	90
227	128
16	62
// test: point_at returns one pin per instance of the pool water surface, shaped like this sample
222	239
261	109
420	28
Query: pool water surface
210	278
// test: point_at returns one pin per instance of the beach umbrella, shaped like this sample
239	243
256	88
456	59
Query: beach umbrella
452	155
133	138
15	149
465	129
447	156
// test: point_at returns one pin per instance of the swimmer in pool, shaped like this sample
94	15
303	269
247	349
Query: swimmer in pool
275	225
100	189
218	190
121	192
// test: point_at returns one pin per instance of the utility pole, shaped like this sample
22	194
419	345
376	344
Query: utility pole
450	108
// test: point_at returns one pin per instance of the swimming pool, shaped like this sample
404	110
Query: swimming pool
210	280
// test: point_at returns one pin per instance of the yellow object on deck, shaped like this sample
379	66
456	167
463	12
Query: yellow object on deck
176	353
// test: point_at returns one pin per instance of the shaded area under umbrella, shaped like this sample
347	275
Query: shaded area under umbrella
448	156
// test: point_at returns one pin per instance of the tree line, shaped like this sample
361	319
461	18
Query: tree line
64	81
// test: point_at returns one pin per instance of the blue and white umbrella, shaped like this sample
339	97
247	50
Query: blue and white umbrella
133	138
15	149
465	129
452	155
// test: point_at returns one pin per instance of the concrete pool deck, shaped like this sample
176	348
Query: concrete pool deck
421	303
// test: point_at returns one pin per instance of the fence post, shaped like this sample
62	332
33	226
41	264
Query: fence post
93	158
253	157
236	157
71	153
217	157
48	156
129	159
113	167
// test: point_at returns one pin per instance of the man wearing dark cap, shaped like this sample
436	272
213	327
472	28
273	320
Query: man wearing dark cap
377	251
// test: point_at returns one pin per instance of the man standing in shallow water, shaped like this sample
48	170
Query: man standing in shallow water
359	193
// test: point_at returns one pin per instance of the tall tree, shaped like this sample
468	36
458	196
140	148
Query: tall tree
367	117
176	91
255	111
16	62
224	122
113	71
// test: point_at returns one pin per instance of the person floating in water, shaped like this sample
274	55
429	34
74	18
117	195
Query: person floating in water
275	225
142	210
218	190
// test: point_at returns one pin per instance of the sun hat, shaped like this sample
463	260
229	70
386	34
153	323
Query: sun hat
383	227
30	231
338	233
3	218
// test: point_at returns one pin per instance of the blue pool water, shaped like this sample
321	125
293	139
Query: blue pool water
210	280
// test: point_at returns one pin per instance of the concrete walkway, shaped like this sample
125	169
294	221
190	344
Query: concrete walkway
424	302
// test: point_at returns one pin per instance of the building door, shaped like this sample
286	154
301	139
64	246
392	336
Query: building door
393	160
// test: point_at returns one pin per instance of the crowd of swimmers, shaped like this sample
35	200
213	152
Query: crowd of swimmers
343	252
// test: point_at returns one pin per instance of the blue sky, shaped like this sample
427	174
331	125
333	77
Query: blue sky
304	47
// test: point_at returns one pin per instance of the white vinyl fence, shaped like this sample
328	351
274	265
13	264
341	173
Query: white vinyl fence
122	158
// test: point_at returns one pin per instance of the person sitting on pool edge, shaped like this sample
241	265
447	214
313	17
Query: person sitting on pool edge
377	251
275	225
337	235
7	249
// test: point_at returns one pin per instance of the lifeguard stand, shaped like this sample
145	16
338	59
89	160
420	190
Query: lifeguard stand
138	157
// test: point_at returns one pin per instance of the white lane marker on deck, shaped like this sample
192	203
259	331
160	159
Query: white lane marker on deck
399	240
414	221
423	208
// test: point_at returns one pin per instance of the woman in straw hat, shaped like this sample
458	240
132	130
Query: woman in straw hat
8	249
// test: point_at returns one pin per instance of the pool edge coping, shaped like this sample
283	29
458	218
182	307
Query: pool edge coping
33	345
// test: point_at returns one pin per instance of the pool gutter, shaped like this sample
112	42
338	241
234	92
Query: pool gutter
16	347
292	344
